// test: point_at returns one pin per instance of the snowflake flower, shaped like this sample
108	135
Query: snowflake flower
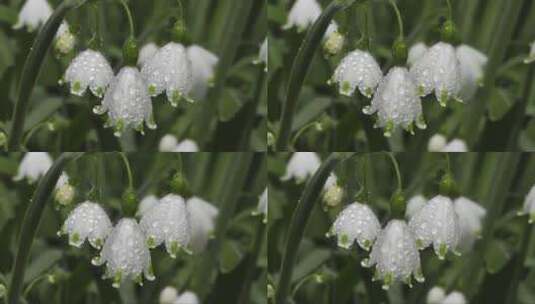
303	14
356	223
470	216
168	295
455	145
146	53
436	143
414	205
33	166
334	43
263	54
436	295
33	14
472	64
529	205
454	297
302	165
64	39
87	221
203	64
202	218
147	203
333	193
416	52
89	69
357	69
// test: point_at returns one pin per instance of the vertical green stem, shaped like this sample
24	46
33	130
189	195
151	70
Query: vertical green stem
130	19
400	20
31	221
396	169
128	170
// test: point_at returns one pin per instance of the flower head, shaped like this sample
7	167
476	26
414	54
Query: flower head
168	222
146	53
89	69
33	14
435	295
356	223
263	54
187	297
125	253
33	166
472	64
436	224
455	145
414	205
87	221
531	57
396	102
302	165
357	69
202	217
416	52
303	14
168	295
127	102
333	193
395	255
169	70
64	39
168	143
470	216
334	43
436	143
187	145
203	64
146	204
438	70
454	297
64	193
529	204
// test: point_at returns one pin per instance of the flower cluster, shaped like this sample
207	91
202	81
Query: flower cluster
169	143
169	295
437	295
439	143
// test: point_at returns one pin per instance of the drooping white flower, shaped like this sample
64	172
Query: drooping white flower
436	224
168	295
395	255
454	297
529	205
470	216
416	52
146	52
33	166
168	222
455	145
357	69
472	64
202	218
397	103
33	14
187	297
64	193
334	43
89	69
87	221
302	165
438	70
356	223
531	57
414	205
333	193
127	102
263	54
187	145
64	39
203	64
146	204
168	143
169	70
125	253
262	207
436	143
303	14
436	295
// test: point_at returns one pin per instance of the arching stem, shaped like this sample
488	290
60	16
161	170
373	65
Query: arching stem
130	19
400	20
128	170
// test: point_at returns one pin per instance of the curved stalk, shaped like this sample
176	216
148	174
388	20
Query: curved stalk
396	169
130	19
299	70
400	20
32	67
31	222
128	170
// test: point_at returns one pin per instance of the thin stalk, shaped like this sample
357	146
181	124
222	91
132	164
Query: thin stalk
31	221
32	67
180	10
400	20
299	70
300	216
396	169
128	170
450	14
130	19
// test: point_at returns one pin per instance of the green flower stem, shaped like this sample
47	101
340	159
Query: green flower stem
31	220
32	67
300	216
450	11
130	19
299	70
128	170
251	262
396	169
400	20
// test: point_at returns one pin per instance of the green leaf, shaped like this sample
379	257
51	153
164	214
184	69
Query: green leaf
6	56
310	263
229	105
496	256
310	111
42	111
500	102
42	261
230	256
8	15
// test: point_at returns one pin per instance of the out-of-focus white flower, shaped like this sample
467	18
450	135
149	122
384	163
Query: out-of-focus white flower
168	143
395	255
125	253
531	57
470	216
64	39
333	43
438	70
529	205
187	145
472	64
167	222
436	224
33	166
202	218
333	193
187	297
356	223
169	70
436	143
87	221
303	14
436	295
357	69
397	103
455	145
302	165
454	297
168	295
416	52
127	102
33	14
263	54
146	204
414	205
203	64
89	69
64	193
262	207
146	52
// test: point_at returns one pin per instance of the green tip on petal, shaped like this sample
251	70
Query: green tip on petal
376	275
369	92
149	274
98	243
389	128
387	281
152	89
173	250
420	122
442	251
343	241
140	128
74	240
96	261
410	128
443	100
419	244
76	87
365	263
151	243
117	279
139	280
408	281
419	276
420	91
346	88
175	98
119	127
366	245
531	218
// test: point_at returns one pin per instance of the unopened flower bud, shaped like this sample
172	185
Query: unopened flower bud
64	194
65	40
334	43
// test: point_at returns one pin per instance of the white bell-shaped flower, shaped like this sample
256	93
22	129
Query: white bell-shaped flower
529	205
302	165
127	102
435	295
397	103
437	143
168	143
168	222
395	255
414	205
436	224
472	64
356	223
531	57
89	69
333	193
303	14
416	52
263	54
125	253
33	166
438	70
64	39
168	295
357	69
187	145
262	207
454	297
169	70
470	216
87	221
202	218
146	52
456	145
334	43
64	192
33	14
203	64
187	297
146	204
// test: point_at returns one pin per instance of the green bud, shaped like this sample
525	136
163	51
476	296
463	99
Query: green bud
447	186
400	52
129	202
398	204
448	31
3	139
180	185
3	291
130	51
178	31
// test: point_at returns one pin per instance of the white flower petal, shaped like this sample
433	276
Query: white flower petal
146	204
472	64
187	297
303	14
187	145
33	14
168	295
357	69
33	166
203	63
202	217
414	205
302	165
416	52
87	221
454	297
89	69
470	216
455	145
529	204
146	53
168	143
436	295
356	223
437	143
